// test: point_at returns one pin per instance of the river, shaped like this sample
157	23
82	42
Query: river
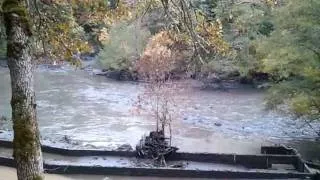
80	109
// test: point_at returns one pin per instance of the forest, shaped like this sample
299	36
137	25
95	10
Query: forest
272	41
268	45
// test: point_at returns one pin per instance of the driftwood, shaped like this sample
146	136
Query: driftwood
155	146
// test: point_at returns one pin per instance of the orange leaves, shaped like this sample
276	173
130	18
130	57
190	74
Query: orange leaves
155	66
157	60
162	38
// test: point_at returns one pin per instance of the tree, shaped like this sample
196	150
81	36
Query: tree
158	97
26	142
27	23
292	56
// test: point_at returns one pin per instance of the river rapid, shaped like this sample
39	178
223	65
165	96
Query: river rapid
81	110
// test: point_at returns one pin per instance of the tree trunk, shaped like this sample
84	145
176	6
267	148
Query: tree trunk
26	142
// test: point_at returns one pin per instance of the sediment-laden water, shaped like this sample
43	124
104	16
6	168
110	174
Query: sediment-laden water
84	110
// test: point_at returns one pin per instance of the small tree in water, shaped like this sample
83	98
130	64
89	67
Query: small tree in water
155	67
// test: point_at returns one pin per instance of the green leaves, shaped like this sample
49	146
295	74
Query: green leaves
291	55
123	46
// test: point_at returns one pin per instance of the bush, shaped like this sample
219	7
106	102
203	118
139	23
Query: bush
125	44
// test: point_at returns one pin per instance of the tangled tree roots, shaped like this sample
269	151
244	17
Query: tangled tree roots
155	146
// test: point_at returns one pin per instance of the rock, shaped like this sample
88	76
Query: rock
119	75
217	124
246	80
264	86
125	147
113	75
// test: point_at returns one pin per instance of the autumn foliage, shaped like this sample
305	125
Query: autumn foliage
157	60
154	67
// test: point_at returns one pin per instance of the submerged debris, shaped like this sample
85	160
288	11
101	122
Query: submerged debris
155	146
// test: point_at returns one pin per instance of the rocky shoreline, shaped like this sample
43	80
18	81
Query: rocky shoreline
209	81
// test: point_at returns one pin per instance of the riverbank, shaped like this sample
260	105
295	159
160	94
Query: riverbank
208	81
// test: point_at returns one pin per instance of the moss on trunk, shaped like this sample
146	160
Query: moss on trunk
27	148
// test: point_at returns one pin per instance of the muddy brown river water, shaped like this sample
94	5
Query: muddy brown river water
78	109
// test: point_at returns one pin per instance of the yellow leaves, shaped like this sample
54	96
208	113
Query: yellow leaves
63	42
212	32
312	73
104	35
121	13
67	55
301	104
63	27
272	3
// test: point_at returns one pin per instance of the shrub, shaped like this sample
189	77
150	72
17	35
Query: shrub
123	47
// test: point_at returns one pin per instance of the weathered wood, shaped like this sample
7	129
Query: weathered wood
282	150
251	161
164	172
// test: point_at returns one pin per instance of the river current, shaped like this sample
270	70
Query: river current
81	109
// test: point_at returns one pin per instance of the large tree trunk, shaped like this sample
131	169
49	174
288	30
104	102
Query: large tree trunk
27	149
